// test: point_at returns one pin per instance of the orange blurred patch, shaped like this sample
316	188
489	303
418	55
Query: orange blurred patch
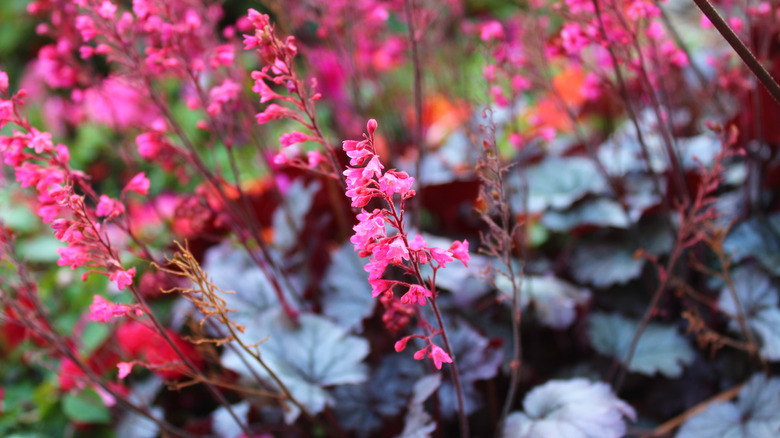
440	117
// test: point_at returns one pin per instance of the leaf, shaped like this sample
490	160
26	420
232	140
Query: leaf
224	425
233	270
759	238
418	423
555	301
599	212
755	414
308	357
604	264
660	349
347	294
558	182
574	408
288	219
134	425
363	408
93	336
85	407
42	248
477	360
758	298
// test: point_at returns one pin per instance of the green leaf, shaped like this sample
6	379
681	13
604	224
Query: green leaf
42	248
93	336
86	407
660	349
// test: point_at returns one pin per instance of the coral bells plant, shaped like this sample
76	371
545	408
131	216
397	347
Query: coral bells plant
566	226
371	240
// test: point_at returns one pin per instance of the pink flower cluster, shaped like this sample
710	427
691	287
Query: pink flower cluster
279	70
102	310
39	163
366	181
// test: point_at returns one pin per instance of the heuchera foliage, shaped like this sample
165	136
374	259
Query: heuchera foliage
566	225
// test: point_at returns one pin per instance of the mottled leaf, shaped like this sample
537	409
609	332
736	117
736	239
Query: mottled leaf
755	414
757	238
288	219
574	408
363	408
347	295
758	298
558	182
307	357
604	264
224	425
477	360
418	423
554	300
599	212
660	349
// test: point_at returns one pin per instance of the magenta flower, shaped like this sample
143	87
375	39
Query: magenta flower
439	356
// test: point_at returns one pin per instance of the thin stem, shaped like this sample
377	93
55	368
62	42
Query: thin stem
742	51
464	422
418	106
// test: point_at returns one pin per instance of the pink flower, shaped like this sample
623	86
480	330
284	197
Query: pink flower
375	268
74	256
396	182
460	251
273	112
416	294
441	256
149	144
222	94
439	356
40	141
396	251
314	158
6	111
3	82
491	30
378	287
102	310
124	369
107	10
224	55
418	243
139	184
262	88
109	208
400	345
374	167
292	138
122	278
86	26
